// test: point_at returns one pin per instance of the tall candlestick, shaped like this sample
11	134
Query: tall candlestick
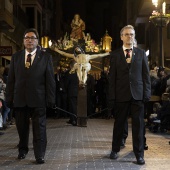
164	8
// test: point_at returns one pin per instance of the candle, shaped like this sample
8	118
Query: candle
164	8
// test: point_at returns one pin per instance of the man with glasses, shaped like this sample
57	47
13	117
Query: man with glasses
129	89
30	88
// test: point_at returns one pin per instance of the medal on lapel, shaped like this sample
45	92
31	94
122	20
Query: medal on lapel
128	60
27	64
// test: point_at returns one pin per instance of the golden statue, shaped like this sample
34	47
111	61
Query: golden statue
78	27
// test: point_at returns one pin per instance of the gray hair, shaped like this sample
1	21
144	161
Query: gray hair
135	44
127	27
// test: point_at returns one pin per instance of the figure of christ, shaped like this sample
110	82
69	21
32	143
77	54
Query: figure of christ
82	65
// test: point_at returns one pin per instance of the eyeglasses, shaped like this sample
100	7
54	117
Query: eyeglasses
30	38
127	35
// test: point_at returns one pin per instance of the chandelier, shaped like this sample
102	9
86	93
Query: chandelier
159	17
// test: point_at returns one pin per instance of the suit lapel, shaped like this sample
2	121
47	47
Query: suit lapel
36	59
134	54
22	59
122	56
123	59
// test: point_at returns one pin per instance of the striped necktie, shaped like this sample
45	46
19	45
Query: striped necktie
28	61
128	53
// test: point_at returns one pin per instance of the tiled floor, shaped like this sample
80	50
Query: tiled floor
84	148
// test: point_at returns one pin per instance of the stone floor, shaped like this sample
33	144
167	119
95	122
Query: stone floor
84	148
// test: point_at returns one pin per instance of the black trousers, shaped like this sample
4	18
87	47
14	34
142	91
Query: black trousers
72	107
37	116
125	134
122	109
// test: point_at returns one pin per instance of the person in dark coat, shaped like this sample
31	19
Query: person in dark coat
129	89
72	85
61	94
90	94
30	89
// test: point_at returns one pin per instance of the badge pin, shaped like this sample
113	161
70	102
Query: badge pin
27	65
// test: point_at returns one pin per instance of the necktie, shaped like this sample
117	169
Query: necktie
128	53
28	61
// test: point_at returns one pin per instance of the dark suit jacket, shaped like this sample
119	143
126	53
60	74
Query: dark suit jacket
60	83
33	87
71	84
125	82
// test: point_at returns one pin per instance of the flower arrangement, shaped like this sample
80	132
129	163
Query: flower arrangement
68	44
156	14
159	19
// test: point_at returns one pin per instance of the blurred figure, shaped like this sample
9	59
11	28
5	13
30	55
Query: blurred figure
72	85
1	121
154	71
159	82
60	92
4	110
164	76
90	94
5	74
102	90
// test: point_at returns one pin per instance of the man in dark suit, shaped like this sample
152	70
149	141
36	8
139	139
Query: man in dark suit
90	94
72	86
129	89
61	95
30	88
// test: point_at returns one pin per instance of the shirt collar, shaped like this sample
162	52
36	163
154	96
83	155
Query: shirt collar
32	53
124	48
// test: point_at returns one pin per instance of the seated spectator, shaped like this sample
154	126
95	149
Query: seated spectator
155	81
153	71
5	109
164	76
159	83
1	121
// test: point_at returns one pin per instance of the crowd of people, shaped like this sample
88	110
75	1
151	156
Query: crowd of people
67	87
159	111
5	113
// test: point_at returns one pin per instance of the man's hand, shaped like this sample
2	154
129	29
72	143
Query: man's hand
50	105
109	114
145	100
111	104
9	105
